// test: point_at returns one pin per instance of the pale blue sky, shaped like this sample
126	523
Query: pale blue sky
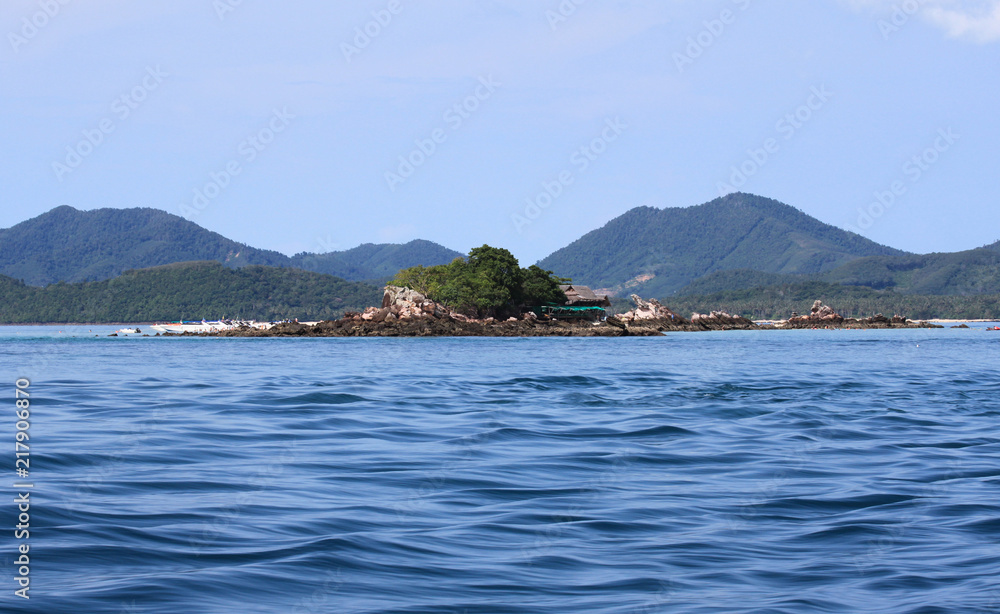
668	96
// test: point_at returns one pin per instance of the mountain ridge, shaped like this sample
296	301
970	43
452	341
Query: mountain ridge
674	246
968	273
375	261
69	245
729	244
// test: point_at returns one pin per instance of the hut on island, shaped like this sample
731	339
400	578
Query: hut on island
582	296
582	303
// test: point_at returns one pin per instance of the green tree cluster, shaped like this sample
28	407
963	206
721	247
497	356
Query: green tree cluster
489	283
779	301
190	291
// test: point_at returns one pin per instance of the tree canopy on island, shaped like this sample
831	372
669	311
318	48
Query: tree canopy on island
490	282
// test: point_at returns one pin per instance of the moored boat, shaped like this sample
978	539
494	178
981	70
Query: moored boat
209	326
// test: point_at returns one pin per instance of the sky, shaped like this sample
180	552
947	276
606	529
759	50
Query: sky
318	126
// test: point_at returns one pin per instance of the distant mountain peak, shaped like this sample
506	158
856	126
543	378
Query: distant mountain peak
671	247
66	244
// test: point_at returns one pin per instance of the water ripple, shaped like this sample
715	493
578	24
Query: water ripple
780	473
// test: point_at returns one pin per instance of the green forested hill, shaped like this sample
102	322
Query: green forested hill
966	273
65	244
974	271
375	262
738	279
193	291
779	301
669	248
69	245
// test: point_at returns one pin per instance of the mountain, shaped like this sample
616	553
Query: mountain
968	273
971	272
657	252
375	262
739	279
69	245
65	244
190	290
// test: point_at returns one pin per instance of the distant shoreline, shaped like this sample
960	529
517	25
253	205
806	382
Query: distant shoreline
757	322
79	324
930	321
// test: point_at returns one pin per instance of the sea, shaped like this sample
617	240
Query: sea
745	471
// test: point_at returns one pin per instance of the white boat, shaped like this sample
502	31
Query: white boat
209	327
127	331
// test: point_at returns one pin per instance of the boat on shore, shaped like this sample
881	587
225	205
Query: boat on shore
214	326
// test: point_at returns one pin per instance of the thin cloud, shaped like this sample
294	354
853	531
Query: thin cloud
977	25
972	20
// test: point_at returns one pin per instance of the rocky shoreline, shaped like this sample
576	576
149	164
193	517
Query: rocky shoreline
406	313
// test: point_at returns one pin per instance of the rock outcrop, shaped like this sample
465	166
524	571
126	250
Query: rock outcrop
820	316
652	315
823	316
720	320
404	304
407	313
649	310
648	317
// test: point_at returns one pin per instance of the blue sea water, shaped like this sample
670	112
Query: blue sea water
782	471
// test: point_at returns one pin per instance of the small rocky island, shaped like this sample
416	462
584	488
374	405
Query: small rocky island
407	313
